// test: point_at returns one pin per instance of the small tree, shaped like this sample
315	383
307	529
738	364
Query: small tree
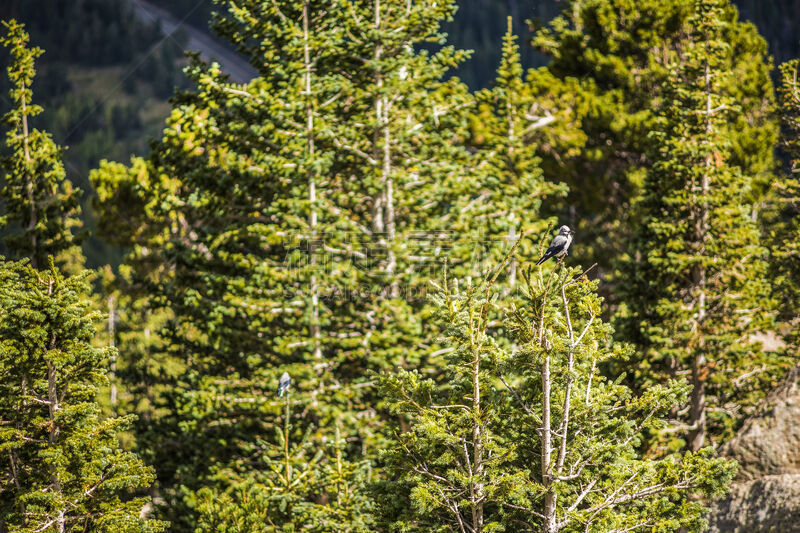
529	434
61	466
289	484
40	205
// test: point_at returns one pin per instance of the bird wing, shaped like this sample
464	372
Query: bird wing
557	243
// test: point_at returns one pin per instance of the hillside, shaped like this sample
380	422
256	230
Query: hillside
103	81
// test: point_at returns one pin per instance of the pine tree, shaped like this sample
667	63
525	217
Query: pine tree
125	211
509	185
259	266
292	224
62	466
610	63
694	280
784	229
40	207
289	223
527	433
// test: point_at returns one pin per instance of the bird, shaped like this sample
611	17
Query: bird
283	384
559	245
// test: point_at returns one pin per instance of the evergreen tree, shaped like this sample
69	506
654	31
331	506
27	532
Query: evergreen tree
62	466
259	266
403	170
281	213
694	280
40	208
784	228
509	186
527	434
292	224
129	216
285	491
608	74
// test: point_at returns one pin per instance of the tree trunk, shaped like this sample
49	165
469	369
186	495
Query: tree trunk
697	411
53	408
476	487
112	377
29	186
549	512
286	456
391	260
52	397
549	520
312	190
383	207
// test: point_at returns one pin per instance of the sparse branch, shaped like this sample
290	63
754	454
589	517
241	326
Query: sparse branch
585	329
519	399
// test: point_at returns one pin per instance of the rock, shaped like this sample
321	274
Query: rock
766	494
769	504
769	441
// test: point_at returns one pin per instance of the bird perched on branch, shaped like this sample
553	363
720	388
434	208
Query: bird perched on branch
283	384
559	246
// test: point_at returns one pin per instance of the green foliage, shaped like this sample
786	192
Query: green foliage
294	223
81	100
784	228
40	206
610	67
694	277
62	468
280	228
284	491
509	186
527	433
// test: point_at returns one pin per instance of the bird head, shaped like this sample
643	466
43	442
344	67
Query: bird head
564	230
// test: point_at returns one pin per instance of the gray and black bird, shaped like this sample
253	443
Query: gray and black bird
283	383
559	246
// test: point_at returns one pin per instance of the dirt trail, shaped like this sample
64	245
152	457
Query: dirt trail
239	70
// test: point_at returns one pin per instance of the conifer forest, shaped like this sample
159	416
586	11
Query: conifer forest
470	266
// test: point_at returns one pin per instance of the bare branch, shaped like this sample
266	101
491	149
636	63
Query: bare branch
524	406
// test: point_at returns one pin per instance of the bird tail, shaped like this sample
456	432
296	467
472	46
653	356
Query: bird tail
544	258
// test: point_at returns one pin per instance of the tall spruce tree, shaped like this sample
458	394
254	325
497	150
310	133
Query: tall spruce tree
241	277
286	221
784	227
40	207
125	207
526	433
509	186
61	468
693	281
402	170
610	66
